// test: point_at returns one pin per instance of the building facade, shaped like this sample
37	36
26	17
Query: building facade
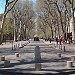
1	16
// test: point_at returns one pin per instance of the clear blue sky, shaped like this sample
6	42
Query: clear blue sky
34	1
2	5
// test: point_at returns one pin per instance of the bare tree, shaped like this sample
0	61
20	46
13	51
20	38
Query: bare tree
56	16
23	14
7	9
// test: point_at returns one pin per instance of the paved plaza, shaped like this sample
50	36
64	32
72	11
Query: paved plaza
25	63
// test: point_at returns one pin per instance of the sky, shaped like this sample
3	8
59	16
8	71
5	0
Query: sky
2	5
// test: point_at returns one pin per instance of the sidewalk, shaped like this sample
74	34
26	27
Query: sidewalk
67	46
9	45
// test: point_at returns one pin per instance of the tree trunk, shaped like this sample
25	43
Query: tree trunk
61	23
29	33
25	33
44	34
55	33
58	28
52	31
3	20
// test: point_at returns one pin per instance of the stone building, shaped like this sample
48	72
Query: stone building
1	16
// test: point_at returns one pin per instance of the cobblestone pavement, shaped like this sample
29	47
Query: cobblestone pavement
50	61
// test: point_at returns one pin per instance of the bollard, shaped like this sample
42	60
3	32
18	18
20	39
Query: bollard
37	66
64	49
69	64
37	54
2	58
37	58
72	58
17	54
59	54
6	63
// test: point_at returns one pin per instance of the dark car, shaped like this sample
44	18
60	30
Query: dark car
36	38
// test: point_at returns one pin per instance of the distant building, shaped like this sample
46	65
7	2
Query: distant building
1	16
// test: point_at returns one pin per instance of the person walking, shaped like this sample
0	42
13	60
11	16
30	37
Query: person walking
50	40
57	40
60	40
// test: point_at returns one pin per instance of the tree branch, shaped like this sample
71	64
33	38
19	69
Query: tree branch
11	7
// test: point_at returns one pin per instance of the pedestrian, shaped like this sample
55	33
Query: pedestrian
50	40
60	40
57	40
